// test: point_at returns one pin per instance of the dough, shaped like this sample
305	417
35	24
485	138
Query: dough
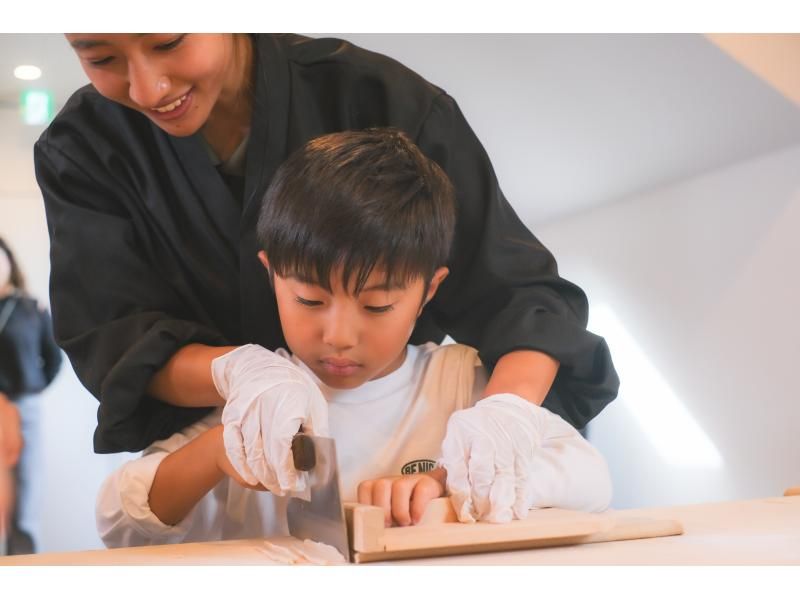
307	553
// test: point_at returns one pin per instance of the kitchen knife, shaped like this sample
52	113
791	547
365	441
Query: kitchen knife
321	518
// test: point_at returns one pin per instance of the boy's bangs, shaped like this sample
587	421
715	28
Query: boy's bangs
352	203
316	264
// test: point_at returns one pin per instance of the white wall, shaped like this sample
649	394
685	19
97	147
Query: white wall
696	288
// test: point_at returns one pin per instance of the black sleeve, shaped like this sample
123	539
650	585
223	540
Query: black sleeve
112	314
51	354
504	292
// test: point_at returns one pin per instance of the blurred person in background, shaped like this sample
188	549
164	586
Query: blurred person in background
29	361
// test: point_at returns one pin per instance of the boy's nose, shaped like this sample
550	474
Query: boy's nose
339	334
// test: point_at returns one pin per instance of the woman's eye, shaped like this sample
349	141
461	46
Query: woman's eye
101	61
307	302
378	309
173	44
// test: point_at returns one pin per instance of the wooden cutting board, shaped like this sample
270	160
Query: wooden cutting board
439	533
793	491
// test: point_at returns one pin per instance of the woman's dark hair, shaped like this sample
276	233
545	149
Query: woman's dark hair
17	278
358	200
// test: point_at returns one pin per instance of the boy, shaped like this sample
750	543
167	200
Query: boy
356	229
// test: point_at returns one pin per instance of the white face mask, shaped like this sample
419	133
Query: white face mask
5	270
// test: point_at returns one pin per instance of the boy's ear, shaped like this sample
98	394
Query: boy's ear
262	257
436	280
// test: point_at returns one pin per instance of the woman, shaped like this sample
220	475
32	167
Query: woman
151	178
29	361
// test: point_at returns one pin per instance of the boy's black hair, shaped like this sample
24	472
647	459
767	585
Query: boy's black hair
358	199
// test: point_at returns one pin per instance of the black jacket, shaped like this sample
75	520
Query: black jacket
150	251
29	357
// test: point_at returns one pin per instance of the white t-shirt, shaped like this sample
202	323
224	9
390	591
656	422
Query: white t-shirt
390	426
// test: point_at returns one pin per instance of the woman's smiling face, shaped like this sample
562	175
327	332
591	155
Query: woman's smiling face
175	79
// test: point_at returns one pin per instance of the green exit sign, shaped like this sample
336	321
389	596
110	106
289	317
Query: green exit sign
37	107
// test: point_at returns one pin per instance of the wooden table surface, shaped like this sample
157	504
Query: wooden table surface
759	531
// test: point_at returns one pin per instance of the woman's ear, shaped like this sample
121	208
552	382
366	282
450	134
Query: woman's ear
436	280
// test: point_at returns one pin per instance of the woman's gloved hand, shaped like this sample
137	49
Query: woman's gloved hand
267	399
488	453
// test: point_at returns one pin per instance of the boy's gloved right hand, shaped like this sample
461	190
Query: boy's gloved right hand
267	399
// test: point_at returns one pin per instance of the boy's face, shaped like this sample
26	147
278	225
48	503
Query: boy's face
347	340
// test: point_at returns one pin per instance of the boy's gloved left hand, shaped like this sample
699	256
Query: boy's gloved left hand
488	454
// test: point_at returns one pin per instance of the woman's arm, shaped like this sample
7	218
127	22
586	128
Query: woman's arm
528	374
51	353
504	293
185	380
133	308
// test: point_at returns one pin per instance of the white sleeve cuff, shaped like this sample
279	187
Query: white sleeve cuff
123	514
568	472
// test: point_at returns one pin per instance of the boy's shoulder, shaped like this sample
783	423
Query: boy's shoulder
449	354
452	374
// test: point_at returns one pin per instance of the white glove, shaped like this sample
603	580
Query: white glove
267	399
488	453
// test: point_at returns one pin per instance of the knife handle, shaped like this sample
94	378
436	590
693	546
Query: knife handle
303	452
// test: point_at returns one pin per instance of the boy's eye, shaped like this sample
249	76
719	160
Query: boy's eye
171	44
378	309
307	302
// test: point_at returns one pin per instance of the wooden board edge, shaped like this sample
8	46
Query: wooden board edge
437	551
625	528
466	534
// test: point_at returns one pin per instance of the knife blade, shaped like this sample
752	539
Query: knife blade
321	518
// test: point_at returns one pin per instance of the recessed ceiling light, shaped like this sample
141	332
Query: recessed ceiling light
27	72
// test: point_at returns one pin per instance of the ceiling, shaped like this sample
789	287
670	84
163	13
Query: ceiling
571	121
61	72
